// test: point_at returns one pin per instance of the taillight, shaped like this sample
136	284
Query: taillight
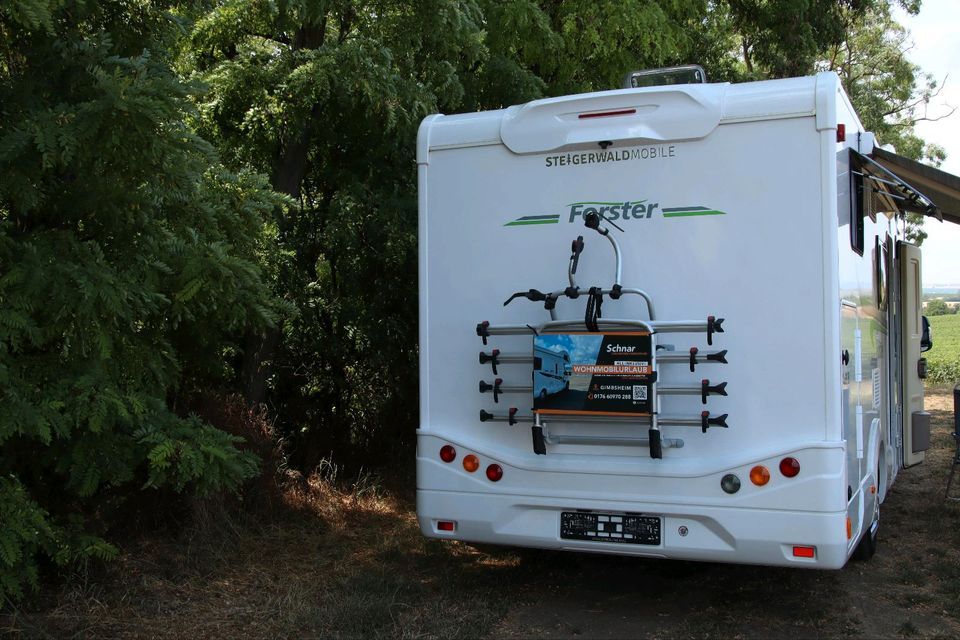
494	472
759	475
790	467
804	552
471	463
448	453
446	525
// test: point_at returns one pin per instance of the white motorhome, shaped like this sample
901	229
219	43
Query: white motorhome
551	371
727	269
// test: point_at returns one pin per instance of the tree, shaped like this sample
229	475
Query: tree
128	263
938	307
889	92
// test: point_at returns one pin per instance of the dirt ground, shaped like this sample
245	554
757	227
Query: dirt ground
911	588
351	563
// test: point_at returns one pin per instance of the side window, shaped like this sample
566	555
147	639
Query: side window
880	273
537	363
856	210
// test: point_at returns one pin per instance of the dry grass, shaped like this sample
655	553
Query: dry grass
350	562
339	563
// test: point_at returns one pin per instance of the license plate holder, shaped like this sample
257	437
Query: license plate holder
620	528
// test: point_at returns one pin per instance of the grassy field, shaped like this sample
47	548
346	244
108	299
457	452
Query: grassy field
944	359
349	562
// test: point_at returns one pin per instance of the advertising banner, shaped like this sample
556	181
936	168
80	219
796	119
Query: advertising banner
592	373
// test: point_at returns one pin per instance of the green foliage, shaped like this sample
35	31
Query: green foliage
140	263
943	360
889	92
129	263
938	307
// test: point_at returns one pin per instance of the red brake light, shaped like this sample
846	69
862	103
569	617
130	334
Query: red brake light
605	114
841	132
804	552
790	467
448	453
494	473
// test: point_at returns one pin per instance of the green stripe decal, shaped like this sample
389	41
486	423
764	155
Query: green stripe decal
517	223
549	219
685	212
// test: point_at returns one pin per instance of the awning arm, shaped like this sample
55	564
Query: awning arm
922	203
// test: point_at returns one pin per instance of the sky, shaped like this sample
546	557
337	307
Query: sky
935	34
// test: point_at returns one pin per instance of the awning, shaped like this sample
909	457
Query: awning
923	184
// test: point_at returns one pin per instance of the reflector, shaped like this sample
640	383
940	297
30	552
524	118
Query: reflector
446	525
730	483
804	552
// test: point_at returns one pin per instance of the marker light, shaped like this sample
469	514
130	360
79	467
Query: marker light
446	525
494	472
804	552
607	114
471	463
790	467
730	483
759	475
448	453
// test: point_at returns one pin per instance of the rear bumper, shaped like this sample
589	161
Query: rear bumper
713	534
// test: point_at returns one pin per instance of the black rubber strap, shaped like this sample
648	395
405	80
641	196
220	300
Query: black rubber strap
593	313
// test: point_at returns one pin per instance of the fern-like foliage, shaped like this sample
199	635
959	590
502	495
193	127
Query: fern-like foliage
128	268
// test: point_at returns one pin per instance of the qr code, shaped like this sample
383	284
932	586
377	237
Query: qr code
639	392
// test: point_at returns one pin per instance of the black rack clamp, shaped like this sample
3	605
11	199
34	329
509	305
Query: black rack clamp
719	356
714	325
693	358
706	421
486	416
539	442
492	358
534	295
495	387
706	389
576	248
656	444
483	330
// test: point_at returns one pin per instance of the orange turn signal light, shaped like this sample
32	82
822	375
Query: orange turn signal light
471	463
759	475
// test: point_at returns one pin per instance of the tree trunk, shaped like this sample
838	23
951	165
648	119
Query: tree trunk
289	170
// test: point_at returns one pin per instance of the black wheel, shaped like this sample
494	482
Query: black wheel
867	546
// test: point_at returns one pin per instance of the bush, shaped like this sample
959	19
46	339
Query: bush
127	267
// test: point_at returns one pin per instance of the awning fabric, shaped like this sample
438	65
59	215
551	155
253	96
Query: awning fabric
939	187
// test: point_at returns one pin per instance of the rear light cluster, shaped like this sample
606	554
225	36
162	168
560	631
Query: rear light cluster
760	475
471	463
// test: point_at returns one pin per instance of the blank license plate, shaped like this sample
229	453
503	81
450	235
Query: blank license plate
610	527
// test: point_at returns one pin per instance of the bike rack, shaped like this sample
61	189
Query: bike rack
593	322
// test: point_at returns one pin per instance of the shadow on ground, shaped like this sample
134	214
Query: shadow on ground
343	565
